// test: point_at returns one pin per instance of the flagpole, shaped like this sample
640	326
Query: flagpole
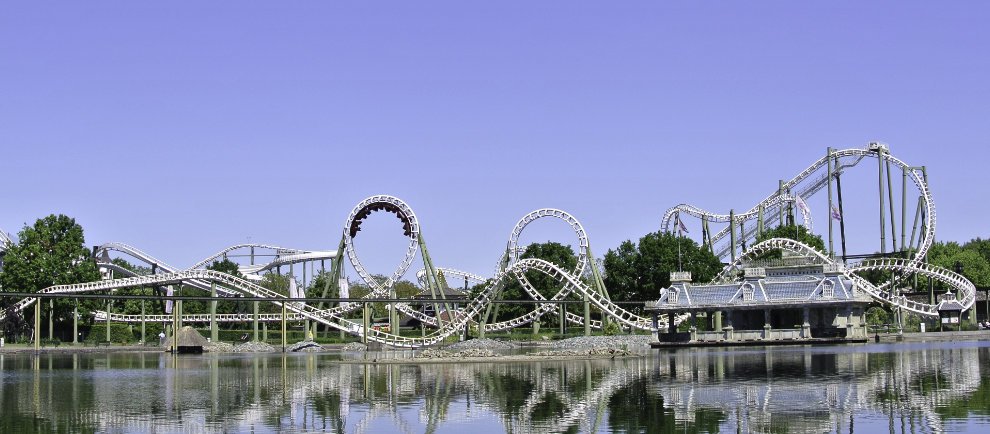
679	234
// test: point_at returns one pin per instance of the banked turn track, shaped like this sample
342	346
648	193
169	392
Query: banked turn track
805	185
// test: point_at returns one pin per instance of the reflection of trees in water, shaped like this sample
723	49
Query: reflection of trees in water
822	389
777	390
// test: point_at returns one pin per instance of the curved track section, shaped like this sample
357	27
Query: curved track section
410	226
809	182
965	290
5	241
325	316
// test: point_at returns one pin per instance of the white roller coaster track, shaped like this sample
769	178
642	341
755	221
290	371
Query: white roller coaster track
472	309
965	290
847	158
5	241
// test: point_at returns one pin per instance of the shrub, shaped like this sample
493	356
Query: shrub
118	333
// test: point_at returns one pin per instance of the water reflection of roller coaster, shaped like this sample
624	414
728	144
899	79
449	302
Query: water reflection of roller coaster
809	389
584	281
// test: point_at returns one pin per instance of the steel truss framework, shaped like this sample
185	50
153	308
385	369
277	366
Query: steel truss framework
584	281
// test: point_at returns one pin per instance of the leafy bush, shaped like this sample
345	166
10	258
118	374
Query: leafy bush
120	333
612	328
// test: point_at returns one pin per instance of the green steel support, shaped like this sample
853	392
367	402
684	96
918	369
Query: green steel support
598	283
904	245
587	316
143	330
75	321
366	322
732	234
109	305
780	210
51	318
433	280
254	320
175	326
481	325
264	332
37	325
283	328
831	169
890	203
707	234
883	215
214	333
742	235
760	227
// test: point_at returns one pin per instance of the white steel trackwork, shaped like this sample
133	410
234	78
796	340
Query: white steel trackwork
846	158
332	318
5	241
965	290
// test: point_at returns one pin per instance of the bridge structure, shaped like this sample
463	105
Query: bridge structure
584	282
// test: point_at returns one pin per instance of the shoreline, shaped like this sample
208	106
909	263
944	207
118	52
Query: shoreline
337	349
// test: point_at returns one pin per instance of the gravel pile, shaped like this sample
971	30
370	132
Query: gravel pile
583	352
218	347
443	354
607	342
254	347
481	344
354	346
304	346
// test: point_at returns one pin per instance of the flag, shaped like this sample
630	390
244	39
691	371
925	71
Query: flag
168	303
293	287
835	213
800	203
680	224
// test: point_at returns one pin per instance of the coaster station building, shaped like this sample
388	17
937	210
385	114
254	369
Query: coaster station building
794	301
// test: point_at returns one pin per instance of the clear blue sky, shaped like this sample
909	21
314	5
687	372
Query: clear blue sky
185	127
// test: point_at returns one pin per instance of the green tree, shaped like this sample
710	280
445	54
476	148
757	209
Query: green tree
226	266
794	232
226	307
638	271
553	252
51	252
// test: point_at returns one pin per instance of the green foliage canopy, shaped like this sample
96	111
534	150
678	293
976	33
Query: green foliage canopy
638	271
50	252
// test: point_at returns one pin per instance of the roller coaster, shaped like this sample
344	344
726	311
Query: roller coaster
585	281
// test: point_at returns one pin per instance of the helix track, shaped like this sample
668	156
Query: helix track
805	185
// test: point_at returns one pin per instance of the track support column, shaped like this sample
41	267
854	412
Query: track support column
883	212
75	321
831	168
109	305
37	325
143	341
213	312
283	328
732	234
366	320
51	318
254	322
587	316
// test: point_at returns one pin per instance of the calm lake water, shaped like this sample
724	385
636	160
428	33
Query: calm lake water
897	388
